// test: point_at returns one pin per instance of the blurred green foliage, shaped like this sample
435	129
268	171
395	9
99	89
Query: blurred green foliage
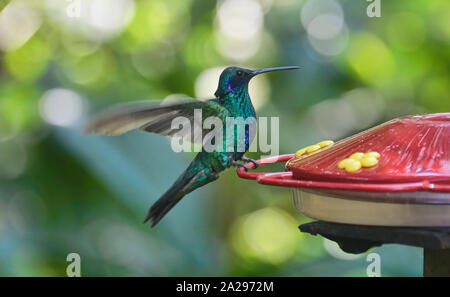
62	191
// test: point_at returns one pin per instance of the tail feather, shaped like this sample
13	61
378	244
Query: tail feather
191	179
195	176
167	201
160	209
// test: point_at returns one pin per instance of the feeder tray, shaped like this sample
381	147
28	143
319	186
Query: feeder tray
407	185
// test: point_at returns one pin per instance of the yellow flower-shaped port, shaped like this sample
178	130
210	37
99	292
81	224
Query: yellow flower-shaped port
300	152
372	154
369	162
350	165
358	160
313	148
357	156
325	143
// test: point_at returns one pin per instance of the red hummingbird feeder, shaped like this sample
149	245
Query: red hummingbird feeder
395	174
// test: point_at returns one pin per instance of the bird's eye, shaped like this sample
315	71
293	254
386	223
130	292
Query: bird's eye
239	73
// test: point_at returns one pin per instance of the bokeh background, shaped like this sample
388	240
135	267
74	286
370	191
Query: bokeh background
62	191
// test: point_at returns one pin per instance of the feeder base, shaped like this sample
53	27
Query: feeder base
356	239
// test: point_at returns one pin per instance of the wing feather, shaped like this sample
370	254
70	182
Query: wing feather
152	117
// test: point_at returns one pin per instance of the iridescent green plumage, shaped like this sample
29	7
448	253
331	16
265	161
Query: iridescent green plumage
232	101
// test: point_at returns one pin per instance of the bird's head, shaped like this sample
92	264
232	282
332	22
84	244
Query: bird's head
233	79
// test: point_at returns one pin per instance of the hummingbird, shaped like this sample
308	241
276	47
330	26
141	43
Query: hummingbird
231	100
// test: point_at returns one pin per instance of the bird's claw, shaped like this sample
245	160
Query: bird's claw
244	166
255	164
239	165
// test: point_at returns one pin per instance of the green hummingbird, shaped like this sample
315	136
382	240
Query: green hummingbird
232	101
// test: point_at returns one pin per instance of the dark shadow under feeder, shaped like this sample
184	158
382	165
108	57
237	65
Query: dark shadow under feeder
388	184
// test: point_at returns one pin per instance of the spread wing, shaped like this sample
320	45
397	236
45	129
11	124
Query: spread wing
154	117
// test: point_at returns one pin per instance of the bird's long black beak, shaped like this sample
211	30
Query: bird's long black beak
259	71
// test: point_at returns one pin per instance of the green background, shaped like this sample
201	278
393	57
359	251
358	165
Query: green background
62	191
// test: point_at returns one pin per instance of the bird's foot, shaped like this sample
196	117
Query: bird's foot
238	165
247	160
